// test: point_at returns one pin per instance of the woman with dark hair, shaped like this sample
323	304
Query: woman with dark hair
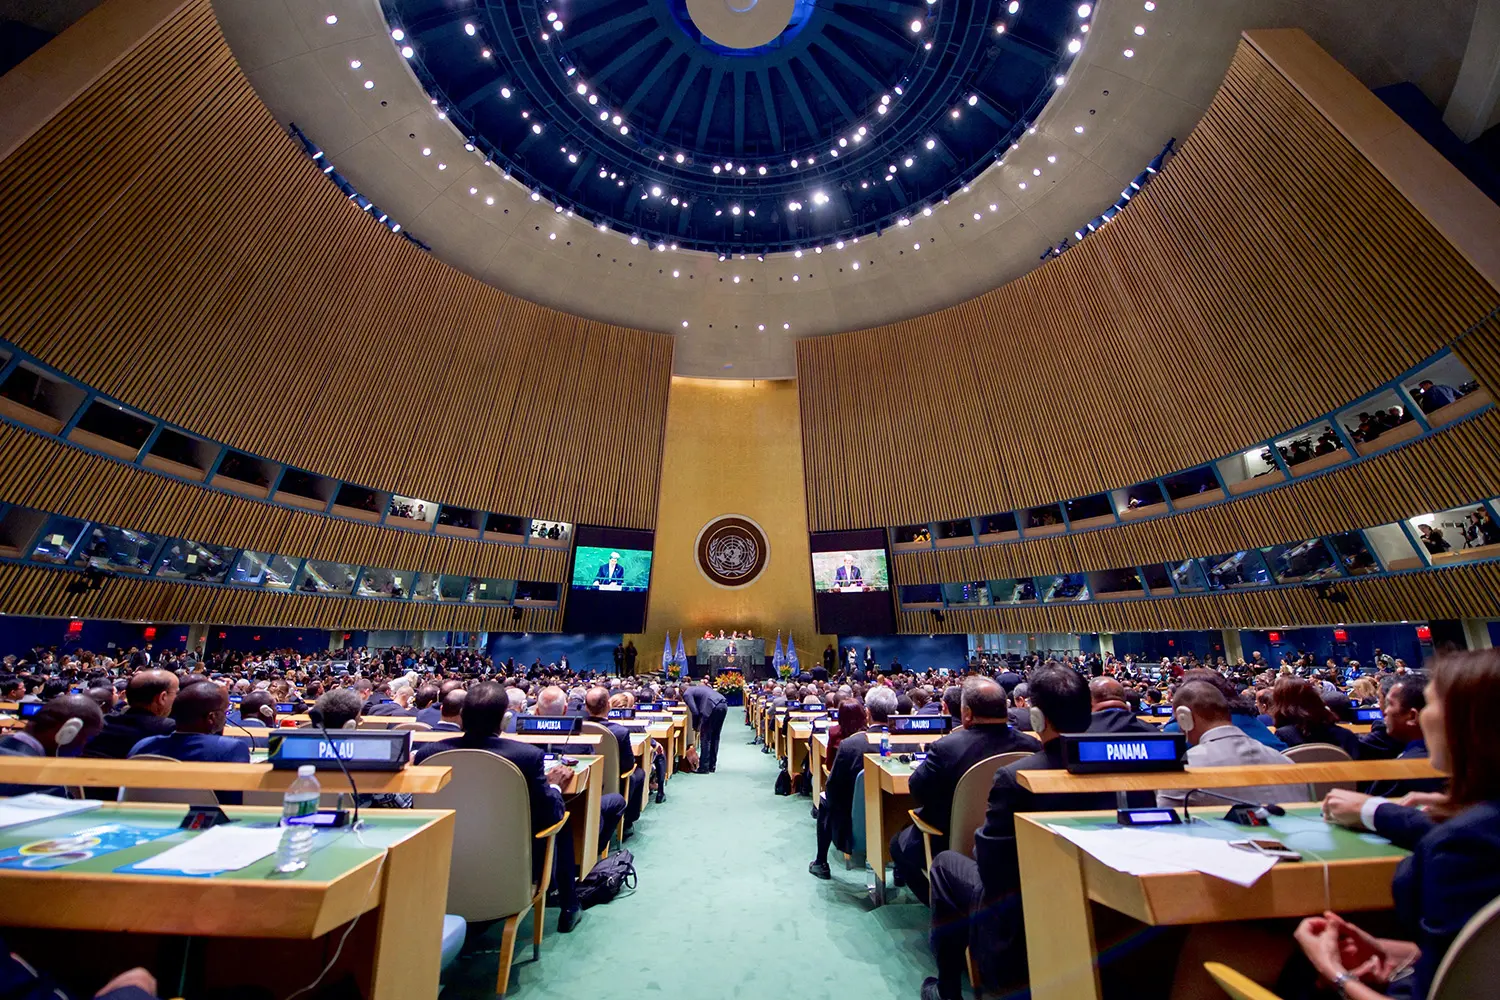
1451	873
1302	717
852	719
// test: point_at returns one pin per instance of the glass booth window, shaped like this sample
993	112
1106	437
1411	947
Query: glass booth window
1069	587
412	509
538	592
1191	483
1020	591
962	528
1459	534
321	577
998	524
551	531
189	560
1187	576
117	549
1443	383
393	583
490	590
1353	554
913	534
425	587
57	540
1116	582
1309	560
922	594
1156	578
1306	445
1235	570
264	569
972	594
1374	417
1392	544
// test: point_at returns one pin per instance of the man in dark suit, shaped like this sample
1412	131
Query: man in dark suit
200	711
835	811
976	900
596	703
1111	712
611	572
62	727
258	710
708	709
451	718
985	733
428	704
483	711
149	697
1020	707
923	703
848	574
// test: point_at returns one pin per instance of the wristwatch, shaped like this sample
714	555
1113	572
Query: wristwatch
1342	980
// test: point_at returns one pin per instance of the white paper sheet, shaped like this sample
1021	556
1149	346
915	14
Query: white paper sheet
36	805
217	849
1156	852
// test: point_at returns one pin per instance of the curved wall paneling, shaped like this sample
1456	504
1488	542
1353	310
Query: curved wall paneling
67	427
170	245
1435	473
1471	590
1419	426
41	591
1261	278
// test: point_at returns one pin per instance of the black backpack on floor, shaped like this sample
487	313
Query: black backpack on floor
610	877
783	782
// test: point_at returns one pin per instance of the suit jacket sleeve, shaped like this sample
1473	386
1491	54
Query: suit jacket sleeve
546	801
1402	825
928	781
847	764
995	842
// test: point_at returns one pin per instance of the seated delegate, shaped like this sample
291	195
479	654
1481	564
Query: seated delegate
835	811
1202	713
1110	712
1451	873
200	711
63	727
985	732
1302	717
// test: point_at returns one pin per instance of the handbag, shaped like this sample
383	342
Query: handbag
610	877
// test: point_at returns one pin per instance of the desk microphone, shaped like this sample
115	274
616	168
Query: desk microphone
1243	812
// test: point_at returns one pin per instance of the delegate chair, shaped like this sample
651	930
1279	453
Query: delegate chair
492	846
970	798
1319	753
185	796
1472	965
412	726
609	749
1237	985
857	822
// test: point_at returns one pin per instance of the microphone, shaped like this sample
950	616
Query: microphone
315	717
1242	811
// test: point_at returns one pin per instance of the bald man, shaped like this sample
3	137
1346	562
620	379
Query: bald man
596	704
1110	712
199	711
62	728
554	701
149	697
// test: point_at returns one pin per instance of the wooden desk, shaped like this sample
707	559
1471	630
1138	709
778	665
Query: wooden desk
1229	777
582	797
817	752
581	739
797	737
402	874
886	802
1059	881
91	772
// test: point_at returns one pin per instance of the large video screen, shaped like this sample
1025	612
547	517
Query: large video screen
852	583
601	567
858	571
610	581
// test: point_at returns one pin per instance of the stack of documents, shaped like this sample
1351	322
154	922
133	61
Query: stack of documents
217	849
1156	852
37	805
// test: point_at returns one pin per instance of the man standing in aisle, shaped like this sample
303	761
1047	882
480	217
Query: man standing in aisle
707	708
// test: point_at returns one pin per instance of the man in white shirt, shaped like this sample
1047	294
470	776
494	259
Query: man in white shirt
1203	713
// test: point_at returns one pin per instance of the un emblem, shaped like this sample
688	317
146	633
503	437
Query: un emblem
732	550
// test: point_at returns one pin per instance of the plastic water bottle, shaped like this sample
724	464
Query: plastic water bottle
301	799
885	744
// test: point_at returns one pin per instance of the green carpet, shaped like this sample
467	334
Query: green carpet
725	908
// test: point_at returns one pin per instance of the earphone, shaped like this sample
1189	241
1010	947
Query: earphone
1184	718
68	732
351	724
1038	720
267	712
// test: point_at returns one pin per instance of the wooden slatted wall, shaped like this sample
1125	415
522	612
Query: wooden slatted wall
169	244
1269	275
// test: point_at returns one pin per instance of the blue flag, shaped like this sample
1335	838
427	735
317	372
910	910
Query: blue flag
681	651
791	656
666	652
778	660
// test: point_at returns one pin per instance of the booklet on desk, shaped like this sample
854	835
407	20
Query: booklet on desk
39	805
218	849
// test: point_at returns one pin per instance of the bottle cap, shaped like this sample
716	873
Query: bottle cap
307	771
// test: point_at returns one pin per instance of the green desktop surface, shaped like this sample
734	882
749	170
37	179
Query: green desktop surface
336	852
1302	829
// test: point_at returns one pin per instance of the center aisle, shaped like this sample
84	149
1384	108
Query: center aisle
725	908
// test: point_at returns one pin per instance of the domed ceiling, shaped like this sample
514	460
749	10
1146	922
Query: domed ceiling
440	129
740	126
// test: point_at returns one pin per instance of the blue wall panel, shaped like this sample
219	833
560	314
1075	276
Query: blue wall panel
584	652
916	652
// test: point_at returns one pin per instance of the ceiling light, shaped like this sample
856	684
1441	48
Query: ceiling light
977	216
505	92
603	227
369	84
736	279
1078	129
681	158
927	210
999	29
1084	10
1074	45
489	199
1014	7
916	26
1052	159
1140	29
551	236
551	15
536	127
558	25
1035	172
856	265
916	246
398	34
796	277
734	210
656	192
355	64
1130	53
903	221
442	166
954	112
684	323
786	326
674	202
634	240
469	29
485	53
624	129
762	327
468	147
994	207
839	245
536	196
1059	80
740	171
572	157
819	198
1150	5
1023	185
676	273
331	19
931	143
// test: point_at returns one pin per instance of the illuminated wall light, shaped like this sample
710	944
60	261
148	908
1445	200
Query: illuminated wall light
1078	129
1015	7
331	19
1059	80
484	53
676	273
1084	10
469	30
1074	45
397	34
1140	29
736	279
1130	53
551	236
856	265
1150	5
369	84
536	127
916	27
505	92
999	29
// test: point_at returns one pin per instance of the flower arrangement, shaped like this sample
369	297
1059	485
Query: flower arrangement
786	672
729	683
